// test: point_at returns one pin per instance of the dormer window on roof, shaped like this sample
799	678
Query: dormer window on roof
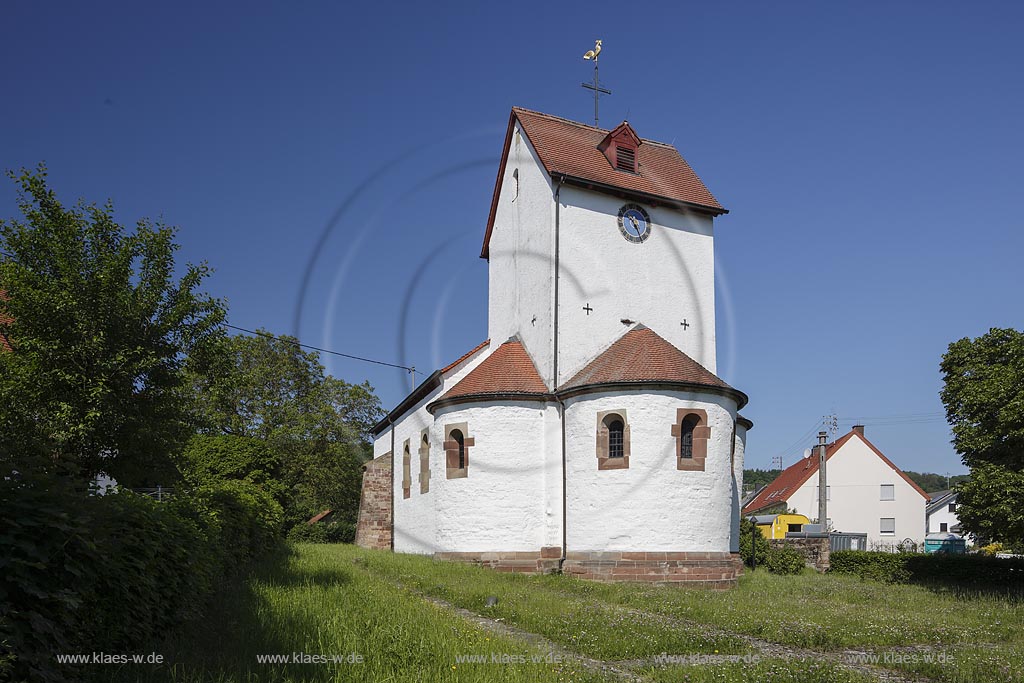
620	147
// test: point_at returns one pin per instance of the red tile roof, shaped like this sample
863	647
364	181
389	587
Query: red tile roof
640	355
466	356
571	149
794	476
509	370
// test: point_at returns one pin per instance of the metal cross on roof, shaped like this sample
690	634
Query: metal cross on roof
596	85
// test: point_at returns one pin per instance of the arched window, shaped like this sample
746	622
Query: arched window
458	438
692	432
406	474
615	441
686	436
457	444
612	441
425	462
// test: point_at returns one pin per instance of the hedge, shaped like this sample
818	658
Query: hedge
966	570
784	560
83	573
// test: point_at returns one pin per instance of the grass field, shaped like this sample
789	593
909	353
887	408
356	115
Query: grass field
408	618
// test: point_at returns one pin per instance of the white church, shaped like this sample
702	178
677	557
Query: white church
589	434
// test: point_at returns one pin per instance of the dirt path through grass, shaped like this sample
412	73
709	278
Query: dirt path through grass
628	669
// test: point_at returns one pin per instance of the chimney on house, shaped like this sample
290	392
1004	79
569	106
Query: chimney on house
859	429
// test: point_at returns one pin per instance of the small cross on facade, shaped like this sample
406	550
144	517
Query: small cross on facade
685	324
588	309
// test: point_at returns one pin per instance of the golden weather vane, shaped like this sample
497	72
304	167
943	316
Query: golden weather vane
596	85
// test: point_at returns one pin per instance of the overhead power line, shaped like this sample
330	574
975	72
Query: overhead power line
317	348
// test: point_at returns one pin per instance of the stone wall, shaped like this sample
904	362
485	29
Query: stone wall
543	561
703	569
815	550
374	527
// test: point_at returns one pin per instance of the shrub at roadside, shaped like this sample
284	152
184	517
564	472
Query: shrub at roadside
83	574
751	537
964	570
784	561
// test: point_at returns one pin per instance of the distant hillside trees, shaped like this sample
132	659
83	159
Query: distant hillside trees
931	482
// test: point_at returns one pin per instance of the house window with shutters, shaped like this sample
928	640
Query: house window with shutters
457	443
691	432
612	440
425	461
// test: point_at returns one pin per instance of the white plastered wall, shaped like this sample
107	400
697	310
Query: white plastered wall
660	282
500	505
415	517
740	447
652	505
521	257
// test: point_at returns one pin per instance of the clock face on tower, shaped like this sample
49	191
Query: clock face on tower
634	223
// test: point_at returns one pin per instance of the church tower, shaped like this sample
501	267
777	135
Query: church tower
589	434
591	231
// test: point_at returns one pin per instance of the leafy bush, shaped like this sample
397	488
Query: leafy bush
784	561
878	566
210	459
751	537
332	532
936	568
81	573
247	518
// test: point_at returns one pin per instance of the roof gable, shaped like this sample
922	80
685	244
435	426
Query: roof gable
797	474
641	355
571	150
507	371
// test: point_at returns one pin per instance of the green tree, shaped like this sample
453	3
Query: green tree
983	394
271	389
316	425
210	459
989	504
101	331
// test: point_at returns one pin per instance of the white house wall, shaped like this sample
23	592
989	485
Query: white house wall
520	270
855	475
660	282
942	516
652	505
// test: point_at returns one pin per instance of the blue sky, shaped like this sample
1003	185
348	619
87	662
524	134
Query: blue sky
868	153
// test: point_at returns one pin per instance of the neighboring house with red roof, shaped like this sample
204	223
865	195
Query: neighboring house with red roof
866	492
591	429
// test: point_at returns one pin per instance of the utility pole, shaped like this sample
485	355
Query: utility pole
822	484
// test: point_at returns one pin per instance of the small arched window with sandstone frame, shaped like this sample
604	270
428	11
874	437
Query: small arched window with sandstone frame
612	440
691	432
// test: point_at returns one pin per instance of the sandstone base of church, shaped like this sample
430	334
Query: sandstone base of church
705	569
374	528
